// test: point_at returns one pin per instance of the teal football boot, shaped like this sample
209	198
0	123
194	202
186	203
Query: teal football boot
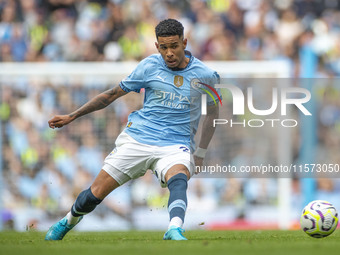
58	230
174	233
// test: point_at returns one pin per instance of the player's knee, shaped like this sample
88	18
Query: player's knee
175	171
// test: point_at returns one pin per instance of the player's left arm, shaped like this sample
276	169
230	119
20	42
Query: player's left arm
207	134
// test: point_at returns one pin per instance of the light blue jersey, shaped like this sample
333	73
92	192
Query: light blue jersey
172	108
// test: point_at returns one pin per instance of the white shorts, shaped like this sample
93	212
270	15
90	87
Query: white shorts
131	159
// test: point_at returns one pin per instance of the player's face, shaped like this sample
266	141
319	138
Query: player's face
172	50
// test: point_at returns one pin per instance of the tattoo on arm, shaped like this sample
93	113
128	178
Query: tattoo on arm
99	102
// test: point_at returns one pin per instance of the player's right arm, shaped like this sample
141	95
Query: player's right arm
209	130
98	102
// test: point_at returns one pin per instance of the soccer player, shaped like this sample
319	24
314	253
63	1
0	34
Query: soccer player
158	137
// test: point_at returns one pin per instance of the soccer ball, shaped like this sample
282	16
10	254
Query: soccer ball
319	219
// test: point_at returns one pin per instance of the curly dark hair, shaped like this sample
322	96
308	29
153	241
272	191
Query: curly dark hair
169	27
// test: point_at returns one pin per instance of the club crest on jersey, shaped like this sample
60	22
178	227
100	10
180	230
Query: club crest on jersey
178	81
195	83
129	124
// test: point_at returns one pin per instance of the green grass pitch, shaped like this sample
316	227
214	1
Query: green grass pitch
143	242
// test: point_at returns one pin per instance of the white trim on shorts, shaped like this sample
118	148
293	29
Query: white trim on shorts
120	177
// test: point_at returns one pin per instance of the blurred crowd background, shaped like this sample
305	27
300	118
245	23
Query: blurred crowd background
116	30
44	170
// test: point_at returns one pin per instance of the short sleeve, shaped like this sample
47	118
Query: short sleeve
135	81
216	96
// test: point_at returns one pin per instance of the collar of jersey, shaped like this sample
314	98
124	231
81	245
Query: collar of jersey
187	54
